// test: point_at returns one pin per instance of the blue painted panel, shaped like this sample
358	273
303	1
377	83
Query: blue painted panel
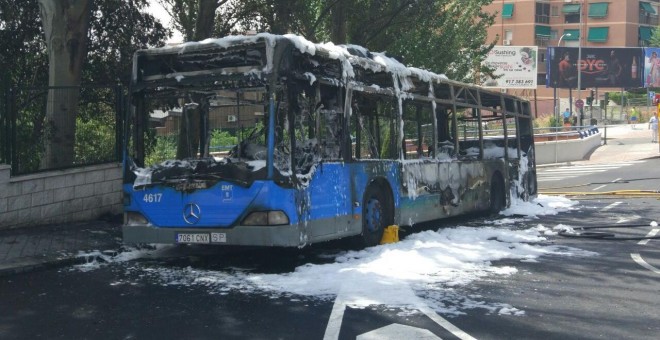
220	206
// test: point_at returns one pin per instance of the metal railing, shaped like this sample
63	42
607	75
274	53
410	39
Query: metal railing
52	128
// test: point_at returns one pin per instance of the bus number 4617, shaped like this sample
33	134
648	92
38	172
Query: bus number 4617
152	198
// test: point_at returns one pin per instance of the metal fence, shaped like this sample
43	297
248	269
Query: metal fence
52	128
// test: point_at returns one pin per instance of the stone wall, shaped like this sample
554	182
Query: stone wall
60	196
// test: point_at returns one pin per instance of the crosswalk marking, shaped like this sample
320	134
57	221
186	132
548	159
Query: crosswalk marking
572	171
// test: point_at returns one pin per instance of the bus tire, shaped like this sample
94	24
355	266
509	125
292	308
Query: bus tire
377	213
497	194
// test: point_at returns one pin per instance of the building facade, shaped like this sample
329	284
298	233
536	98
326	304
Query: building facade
586	23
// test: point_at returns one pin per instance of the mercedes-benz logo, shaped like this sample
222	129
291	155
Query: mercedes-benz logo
192	213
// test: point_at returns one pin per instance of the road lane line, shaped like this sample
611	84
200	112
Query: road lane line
651	233
640	261
604	185
336	317
444	323
611	206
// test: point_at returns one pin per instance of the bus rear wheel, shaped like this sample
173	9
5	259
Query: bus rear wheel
497	194
377	213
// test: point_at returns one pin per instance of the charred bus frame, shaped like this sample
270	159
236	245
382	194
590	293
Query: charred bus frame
342	142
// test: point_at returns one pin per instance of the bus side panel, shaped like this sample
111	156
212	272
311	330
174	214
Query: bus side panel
332	204
432	191
421	190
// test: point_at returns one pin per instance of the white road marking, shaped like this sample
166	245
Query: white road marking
571	171
337	315
640	261
444	323
651	233
397	331
611	206
602	186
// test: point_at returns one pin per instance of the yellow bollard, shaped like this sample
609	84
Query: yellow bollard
390	234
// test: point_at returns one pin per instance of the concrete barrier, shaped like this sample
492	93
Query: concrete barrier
560	151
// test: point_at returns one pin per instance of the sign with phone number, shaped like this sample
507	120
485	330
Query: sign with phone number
513	66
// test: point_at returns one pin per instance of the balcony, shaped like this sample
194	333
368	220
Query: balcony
646	19
541	42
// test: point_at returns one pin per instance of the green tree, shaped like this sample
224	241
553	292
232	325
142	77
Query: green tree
116	29
445	36
655	38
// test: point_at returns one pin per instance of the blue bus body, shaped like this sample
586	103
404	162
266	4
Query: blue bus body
355	168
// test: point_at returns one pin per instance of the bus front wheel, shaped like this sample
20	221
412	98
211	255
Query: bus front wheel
377	213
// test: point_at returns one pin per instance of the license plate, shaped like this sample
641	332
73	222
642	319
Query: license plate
192	238
218	238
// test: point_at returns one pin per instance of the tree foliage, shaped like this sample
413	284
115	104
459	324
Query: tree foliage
445	36
655	38
116	29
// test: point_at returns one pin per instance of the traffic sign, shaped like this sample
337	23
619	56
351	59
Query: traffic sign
579	103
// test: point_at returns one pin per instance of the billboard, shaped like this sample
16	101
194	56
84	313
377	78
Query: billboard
515	66
652	67
620	67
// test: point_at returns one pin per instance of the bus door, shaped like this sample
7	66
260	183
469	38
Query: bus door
422	183
318	134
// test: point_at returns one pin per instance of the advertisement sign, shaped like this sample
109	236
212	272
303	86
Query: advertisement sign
515	67
652	67
620	67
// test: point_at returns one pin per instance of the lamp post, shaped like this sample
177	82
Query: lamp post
579	62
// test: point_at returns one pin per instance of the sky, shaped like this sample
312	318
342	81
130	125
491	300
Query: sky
157	10
427	268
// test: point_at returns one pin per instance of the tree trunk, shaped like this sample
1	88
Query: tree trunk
65	25
190	122
205	19
338	23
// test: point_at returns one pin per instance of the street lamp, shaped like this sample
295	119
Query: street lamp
579	62
562	37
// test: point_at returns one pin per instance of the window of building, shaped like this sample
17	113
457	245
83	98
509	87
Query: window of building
598	9
647	14
507	11
598	34
542	13
554	11
571	13
554	35
646	7
645	34
508	35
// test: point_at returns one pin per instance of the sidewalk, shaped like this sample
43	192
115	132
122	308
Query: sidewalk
26	249
625	143
29	248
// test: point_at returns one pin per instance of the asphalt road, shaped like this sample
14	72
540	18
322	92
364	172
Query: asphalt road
611	295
